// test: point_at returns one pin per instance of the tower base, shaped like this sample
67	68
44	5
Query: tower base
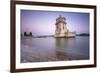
68	35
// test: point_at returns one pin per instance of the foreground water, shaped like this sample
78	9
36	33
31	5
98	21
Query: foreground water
54	49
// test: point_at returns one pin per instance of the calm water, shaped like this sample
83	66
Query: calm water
54	49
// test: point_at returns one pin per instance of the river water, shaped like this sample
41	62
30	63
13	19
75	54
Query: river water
54	49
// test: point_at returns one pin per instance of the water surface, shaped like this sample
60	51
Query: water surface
54	49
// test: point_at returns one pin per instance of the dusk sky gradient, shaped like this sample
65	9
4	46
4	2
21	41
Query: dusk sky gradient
43	22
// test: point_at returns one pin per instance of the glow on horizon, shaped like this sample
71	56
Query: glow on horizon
43	22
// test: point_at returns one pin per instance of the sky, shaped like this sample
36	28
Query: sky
43	22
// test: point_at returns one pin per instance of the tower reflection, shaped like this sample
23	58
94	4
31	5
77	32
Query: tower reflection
61	53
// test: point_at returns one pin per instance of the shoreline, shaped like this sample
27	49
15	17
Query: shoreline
52	36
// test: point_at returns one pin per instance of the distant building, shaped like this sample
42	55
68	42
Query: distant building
62	29
27	34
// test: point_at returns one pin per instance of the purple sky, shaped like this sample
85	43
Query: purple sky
43	22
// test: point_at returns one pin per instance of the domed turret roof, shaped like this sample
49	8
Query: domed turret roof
61	19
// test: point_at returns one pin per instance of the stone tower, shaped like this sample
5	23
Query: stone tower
61	28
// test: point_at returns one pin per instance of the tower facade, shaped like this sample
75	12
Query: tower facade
61	28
